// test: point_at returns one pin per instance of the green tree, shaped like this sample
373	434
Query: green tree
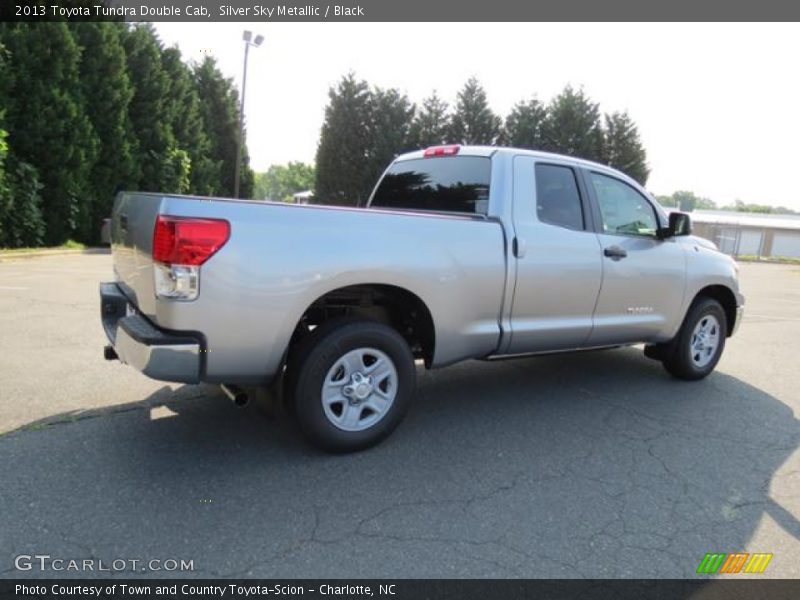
247	180
5	197
667	201
523	127
740	206
192	169
148	106
390	119
686	201
342	171
107	94
220	112
21	220
623	148
573	126
704	203
46	119
175	169
473	121
783	210
431	124
3	143
279	182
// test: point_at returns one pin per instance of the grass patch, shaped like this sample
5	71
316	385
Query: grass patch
785	260
69	245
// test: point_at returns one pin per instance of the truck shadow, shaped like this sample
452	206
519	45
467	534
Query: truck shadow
594	465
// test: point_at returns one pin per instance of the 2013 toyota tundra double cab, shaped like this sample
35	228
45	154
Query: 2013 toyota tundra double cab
461	253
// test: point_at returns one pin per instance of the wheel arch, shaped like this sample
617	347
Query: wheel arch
390	304
727	299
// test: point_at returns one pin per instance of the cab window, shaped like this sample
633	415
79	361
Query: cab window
623	210
445	184
558	201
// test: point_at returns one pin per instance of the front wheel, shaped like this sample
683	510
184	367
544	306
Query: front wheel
697	348
353	385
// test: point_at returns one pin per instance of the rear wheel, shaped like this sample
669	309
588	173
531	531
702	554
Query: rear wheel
697	348
352	384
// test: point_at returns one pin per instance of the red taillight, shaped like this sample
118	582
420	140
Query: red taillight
188	241
442	150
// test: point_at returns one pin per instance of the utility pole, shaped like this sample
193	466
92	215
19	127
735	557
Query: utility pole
246	36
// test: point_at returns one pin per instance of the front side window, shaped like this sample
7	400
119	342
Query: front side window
447	183
558	201
623	210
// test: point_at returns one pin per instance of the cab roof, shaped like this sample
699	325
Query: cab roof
490	151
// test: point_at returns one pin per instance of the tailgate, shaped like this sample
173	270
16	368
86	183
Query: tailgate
132	223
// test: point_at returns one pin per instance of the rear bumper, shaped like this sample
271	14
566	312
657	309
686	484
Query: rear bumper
159	354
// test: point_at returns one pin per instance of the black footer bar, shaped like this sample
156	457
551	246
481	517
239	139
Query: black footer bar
402	589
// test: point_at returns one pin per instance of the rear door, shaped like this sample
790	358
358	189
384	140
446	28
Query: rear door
557	258
643	276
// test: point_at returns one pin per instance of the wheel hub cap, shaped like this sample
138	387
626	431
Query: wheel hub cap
359	389
705	340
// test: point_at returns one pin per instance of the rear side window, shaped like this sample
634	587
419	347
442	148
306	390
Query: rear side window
448	183
558	201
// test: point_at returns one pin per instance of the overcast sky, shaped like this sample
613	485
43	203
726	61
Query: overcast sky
718	105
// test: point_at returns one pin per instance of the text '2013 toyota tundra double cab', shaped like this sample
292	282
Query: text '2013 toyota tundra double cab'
461	253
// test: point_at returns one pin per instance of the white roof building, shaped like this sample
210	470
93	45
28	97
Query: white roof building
749	234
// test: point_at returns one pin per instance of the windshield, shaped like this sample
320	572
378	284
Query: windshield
450	184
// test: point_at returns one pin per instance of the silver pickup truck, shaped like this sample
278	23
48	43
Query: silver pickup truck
461	253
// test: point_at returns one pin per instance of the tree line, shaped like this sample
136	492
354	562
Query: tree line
280	182
689	201
91	108
365	127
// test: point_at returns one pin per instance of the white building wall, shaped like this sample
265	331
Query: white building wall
786	243
750	242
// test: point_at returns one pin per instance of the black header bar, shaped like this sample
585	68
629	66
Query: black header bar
402	10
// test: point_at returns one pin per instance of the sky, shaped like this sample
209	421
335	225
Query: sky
717	105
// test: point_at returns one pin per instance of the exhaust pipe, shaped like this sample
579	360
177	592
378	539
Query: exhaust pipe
238	396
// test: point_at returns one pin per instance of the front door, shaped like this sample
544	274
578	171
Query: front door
643	276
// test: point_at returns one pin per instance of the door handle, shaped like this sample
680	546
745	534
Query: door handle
615	252
519	248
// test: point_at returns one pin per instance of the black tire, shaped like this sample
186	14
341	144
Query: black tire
300	350
678	354
310	366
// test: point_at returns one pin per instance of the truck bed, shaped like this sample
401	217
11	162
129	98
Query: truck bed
282	257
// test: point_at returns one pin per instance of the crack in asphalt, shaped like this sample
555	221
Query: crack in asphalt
520	556
636	434
688	426
357	531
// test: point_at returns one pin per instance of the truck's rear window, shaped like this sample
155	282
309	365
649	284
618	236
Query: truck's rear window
449	183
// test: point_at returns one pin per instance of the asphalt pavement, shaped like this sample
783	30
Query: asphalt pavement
589	465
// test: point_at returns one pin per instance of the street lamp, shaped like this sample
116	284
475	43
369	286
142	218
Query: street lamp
247	36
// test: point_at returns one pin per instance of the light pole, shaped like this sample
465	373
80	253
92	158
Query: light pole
247	37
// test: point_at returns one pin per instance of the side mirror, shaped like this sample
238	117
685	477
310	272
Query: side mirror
679	224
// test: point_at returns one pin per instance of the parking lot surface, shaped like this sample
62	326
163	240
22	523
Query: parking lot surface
588	465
